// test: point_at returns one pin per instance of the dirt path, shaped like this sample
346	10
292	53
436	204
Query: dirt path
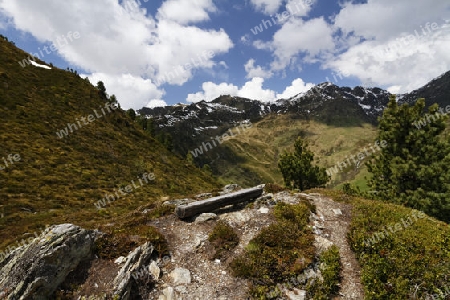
211	279
334	221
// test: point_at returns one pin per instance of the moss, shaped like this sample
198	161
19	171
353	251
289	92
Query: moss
223	238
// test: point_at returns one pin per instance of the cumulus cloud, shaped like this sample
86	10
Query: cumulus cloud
137	91
211	91
123	38
256	71
252	89
397	52
156	103
298	86
186	11
297	37
267	7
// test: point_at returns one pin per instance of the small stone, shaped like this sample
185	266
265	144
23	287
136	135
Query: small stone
264	210
337	211
321	243
154	270
224	273
217	261
205	217
168	294
181	276
296	294
120	260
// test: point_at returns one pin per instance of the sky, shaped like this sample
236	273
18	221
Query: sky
153	53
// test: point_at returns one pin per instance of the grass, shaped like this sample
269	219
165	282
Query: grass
58	180
258	149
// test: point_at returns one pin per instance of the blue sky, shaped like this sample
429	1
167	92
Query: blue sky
152	53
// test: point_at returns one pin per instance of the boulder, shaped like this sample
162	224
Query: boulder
35	270
135	271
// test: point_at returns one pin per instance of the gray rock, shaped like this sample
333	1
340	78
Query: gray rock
203	196
205	217
178	202
296	294
337	211
264	210
35	270
181	276
321	243
155	270
135	269
168	294
229	188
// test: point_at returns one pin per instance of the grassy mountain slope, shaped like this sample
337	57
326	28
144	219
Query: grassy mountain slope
258	148
58	180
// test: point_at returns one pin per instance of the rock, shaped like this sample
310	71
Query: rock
155	270
203	196
321	243
178	202
264	210
229	188
296	294
181	276
134	270
205	217
35	270
120	260
337	211
168	294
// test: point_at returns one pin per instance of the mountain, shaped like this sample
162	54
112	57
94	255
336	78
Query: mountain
63	148
436	91
336	120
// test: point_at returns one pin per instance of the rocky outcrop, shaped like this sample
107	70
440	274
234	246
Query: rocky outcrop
138	273
35	270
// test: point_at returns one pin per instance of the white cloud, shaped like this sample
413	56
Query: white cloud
256	71
268	7
211	91
186	11
298	86
124	39
131	91
252	89
397	52
297	37
156	103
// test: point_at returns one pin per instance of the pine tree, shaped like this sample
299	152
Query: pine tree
297	169
413	169
102	90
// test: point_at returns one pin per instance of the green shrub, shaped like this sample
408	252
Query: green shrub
412	262
223	238
279	252
273	188
330	267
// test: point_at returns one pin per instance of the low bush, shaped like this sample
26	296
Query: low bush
279	252
223	238
404	254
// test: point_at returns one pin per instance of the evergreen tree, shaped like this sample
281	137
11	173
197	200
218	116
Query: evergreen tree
297	169
414	168
102	90
132	114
